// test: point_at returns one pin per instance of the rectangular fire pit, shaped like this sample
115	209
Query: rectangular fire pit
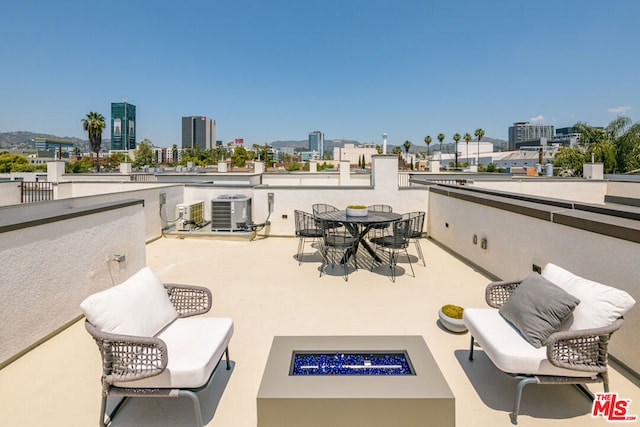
353	381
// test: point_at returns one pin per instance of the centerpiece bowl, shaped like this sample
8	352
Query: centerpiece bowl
357	210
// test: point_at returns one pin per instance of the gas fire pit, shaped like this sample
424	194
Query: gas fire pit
353	380
351	363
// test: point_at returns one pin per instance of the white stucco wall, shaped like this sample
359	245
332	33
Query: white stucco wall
623	189
574	190
9	193
51	268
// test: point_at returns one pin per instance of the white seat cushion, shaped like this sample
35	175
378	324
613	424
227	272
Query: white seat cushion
506	348
600	305
194	346
138	306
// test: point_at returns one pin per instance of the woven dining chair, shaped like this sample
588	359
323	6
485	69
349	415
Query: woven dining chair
393	244
322	208
336	245
307	228
379	230
416	220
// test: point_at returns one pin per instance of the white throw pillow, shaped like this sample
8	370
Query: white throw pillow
600	305
139	306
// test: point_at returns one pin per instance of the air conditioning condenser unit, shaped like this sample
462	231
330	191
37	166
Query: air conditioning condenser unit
230	212
190	215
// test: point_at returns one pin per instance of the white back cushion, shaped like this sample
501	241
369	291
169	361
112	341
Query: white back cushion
600	305
139	306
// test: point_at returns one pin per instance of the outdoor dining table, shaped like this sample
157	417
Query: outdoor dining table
359	226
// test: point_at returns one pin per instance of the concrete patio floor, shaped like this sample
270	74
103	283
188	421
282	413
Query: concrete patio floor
261	286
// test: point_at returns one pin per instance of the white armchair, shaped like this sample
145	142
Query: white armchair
150	344
552	328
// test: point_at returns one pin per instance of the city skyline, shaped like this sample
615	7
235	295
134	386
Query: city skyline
407	68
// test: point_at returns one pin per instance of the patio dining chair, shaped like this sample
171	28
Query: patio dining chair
379	230
415	231
307	228
322	208
337	244
393	244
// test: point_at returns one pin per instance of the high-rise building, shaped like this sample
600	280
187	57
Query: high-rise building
198	132
524	131
316	142
123	126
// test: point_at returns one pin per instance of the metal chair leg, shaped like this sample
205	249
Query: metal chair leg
516	407
106	419
420	254
300	249
413	273
196	405
471	348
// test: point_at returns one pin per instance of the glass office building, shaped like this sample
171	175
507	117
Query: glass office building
123	126
316	142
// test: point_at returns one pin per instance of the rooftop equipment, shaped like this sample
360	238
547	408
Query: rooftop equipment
190	215
231	212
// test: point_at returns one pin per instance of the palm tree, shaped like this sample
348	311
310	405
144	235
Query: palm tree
93	124
406	145
427	140
441	138
456	138
467	138
479	133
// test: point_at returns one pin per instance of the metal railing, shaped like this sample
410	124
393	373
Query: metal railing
404	179
36	191
143	177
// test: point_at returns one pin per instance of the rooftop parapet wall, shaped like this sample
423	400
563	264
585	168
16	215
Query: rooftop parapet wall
590	240
58	257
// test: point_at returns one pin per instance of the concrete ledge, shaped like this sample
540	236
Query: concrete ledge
40	216
629	201
536	210
629	212
620	228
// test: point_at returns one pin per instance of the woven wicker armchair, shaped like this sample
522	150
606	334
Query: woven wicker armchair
569	356
178	361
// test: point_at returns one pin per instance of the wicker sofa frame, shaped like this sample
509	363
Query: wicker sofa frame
582	350
150	355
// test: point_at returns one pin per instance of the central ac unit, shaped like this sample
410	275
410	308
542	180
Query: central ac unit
190	215
230	212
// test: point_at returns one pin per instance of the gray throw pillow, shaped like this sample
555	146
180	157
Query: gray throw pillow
537	308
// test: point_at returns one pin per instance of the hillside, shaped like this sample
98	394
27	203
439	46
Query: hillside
24	140
498	145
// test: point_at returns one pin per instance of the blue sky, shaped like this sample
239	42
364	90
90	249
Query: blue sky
269	70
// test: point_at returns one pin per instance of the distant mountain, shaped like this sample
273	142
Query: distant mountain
498	145
24	140
329	144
